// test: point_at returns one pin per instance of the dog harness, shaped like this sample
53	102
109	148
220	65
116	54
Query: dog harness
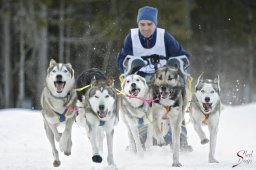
206	114
102	123
69	109
61	116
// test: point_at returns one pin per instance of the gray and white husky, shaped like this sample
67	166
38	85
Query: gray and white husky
206	107
136	113
58	107
98	112
169	87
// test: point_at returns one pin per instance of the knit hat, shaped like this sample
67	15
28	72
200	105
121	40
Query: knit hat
147	13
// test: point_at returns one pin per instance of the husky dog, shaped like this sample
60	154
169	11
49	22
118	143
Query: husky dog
58	100
169	87
206	106
136	113
98	111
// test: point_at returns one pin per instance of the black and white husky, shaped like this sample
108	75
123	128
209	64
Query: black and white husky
58	107
206	107
98	111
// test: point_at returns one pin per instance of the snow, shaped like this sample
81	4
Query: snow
24	146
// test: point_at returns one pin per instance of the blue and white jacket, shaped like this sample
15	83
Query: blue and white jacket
171	46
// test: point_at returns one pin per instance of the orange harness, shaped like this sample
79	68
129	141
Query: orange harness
168	109
206	116
165	116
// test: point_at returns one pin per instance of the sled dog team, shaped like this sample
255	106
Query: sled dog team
148	110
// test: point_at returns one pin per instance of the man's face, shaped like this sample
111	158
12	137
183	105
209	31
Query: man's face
146	27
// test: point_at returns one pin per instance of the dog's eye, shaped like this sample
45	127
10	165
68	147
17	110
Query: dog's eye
137	79
170	78
202	91
107	96
96	97
160	78
128	81
65	71
212	91
54	71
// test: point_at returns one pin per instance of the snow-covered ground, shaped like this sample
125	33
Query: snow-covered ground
24	146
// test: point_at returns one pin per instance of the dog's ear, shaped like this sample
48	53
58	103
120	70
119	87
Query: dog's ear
110	82
52	63
155	91
199	80
68	65
93	81
217	81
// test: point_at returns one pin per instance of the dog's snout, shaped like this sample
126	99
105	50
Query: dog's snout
163	88
101	107
133	85
207	99
59	77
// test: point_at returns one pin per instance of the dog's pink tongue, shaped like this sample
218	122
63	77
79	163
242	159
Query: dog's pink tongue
165	94
59	86
103	114
133	93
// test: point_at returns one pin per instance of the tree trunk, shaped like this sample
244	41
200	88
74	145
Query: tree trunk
107	58
61	32
42	53
21	91
67	46
251	57
7	60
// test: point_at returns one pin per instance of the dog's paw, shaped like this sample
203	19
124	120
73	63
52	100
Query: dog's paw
204	141
56	163
112	167
186	148
110	160
160	141
148	144
177	164
67	153
97	158
213	160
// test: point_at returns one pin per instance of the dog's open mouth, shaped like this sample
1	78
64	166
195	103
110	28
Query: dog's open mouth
164	95
134	92
103	113
207	107
59	85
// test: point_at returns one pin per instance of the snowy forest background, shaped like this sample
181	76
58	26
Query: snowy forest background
220	36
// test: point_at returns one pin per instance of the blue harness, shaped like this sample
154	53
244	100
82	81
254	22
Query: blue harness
102	123
62	117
